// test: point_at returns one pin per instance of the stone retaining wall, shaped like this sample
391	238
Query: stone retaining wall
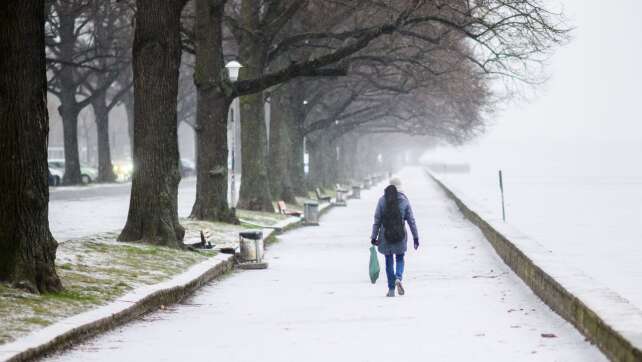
620	338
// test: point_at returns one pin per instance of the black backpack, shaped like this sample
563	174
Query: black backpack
393	228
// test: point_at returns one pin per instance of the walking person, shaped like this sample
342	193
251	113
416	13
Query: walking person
389	233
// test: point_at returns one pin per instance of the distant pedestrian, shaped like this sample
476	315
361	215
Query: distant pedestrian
389	233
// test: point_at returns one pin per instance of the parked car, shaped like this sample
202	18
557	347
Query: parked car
87	174
188	168
55	176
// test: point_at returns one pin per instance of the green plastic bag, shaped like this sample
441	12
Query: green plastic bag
374	265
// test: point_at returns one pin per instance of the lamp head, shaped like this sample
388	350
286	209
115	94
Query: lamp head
233	68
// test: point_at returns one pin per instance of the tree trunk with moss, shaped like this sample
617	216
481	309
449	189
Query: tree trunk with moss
153	210
27	249
211	116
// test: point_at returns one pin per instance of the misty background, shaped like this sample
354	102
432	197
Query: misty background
570	156
587	114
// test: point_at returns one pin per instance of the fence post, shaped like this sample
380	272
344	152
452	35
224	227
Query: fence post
501	189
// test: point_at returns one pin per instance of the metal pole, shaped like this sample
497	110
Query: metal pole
501	189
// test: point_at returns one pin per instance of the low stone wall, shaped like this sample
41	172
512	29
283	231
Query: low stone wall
611	323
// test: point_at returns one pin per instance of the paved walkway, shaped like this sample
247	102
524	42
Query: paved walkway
315	302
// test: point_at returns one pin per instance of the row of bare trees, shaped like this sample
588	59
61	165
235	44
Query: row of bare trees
88	64
344	80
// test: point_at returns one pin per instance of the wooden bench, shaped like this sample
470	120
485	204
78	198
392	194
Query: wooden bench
284	210
322	197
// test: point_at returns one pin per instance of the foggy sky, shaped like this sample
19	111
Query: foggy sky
593	93
585	121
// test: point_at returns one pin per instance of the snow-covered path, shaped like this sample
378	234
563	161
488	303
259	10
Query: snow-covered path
315	302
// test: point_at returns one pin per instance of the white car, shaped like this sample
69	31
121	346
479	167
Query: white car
87	174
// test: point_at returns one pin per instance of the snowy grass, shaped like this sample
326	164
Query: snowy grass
96	270
332	192
260	218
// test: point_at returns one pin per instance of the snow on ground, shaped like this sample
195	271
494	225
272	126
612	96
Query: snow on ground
94	268
315	302
93	271
76	212
584	205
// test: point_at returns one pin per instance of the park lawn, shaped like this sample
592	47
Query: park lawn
259	218
97	270
329	191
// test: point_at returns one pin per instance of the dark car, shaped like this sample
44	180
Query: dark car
54	176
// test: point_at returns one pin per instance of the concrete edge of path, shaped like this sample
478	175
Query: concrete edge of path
601	315
138	302
143	300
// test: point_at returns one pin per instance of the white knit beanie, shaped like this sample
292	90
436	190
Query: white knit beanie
396	182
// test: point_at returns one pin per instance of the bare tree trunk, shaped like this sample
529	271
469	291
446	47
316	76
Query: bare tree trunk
128	100
27	249
330	160
68	109
101	113
295	129
296	161
211	116
360	169
153	212
350	156
347	147
367	156
69	115
315	165
255	187
211	178
280	144
323	162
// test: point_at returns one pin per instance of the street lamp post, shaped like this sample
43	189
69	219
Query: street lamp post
233	69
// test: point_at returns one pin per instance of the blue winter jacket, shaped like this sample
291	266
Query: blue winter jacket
377	228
